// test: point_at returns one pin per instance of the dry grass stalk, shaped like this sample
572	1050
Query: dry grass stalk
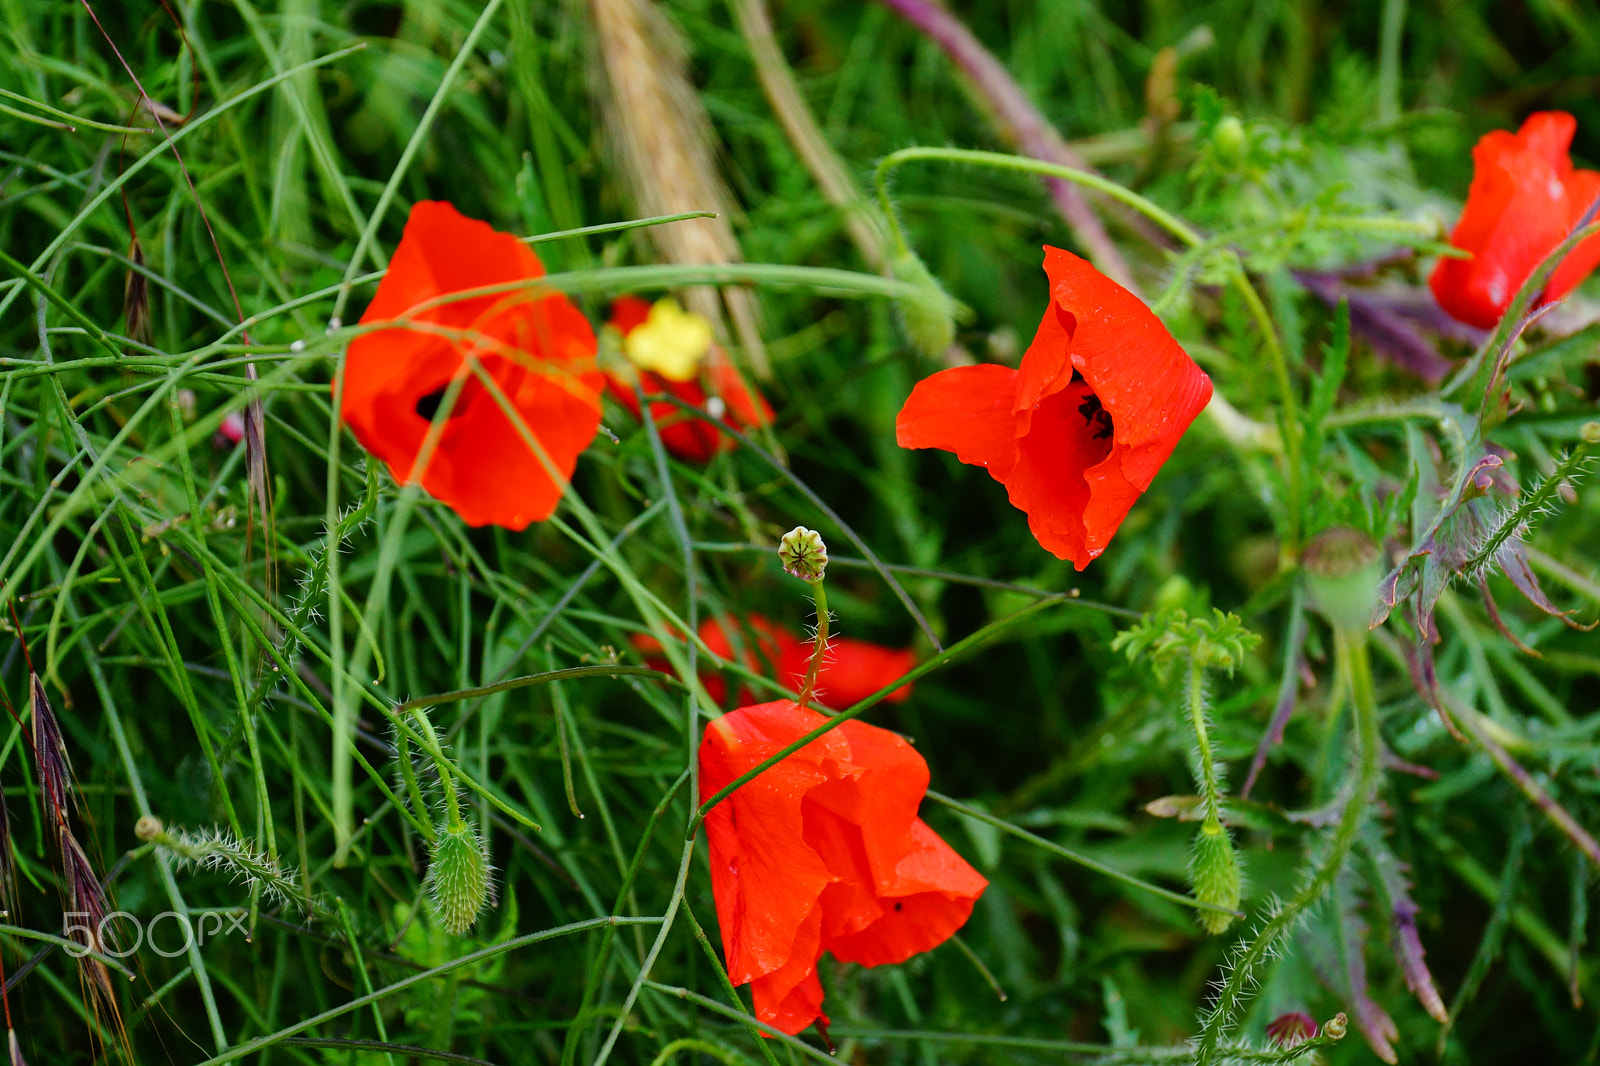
663	139
862	220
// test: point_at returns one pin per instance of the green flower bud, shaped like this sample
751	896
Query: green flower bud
803	554
1230	142
1214	872
458	878
1342	575
928	319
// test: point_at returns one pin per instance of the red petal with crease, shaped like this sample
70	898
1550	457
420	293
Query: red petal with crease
822	852
1079	432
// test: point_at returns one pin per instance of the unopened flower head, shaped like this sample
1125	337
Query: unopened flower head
1342	574
458	878
803	553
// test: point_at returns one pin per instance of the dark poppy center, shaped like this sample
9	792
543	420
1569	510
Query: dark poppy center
1095	414
428	405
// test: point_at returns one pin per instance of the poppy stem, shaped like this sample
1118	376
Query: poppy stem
819	644
1354	665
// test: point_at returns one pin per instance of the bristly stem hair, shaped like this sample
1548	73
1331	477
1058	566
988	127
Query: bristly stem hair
1356	665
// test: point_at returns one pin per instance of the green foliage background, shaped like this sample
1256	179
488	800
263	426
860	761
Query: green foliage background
142	580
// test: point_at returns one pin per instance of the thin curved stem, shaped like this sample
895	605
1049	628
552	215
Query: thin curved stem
1356	666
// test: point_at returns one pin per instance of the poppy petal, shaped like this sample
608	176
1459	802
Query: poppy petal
790	997
1583	188
851	670
823	848
914	920
1524	199
901	890
539	352
1048	482
966	410
764	879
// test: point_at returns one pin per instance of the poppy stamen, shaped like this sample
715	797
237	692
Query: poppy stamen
1096	415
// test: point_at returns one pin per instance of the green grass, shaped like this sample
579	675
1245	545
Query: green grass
202	660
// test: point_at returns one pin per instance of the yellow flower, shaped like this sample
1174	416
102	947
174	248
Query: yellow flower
671	342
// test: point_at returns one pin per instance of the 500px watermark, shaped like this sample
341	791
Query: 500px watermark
108	932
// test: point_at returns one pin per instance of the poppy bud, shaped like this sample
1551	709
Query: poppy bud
1214	870
1229	142
928	319
803	554
458	878
1287	1030
1342	575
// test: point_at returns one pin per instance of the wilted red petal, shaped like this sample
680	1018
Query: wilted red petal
1524	200
822	852
538	350
747	408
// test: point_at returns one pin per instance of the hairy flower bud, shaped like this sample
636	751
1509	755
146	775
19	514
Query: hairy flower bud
803	554
928	318
1342	575
1214	871
458	878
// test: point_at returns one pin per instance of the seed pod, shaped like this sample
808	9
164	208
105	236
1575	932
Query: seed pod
1214	871
458	878
1342	575
803	554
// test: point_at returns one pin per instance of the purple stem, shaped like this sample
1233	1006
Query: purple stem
1288	687
1382	326
1021	124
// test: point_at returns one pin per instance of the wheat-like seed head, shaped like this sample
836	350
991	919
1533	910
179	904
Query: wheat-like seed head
662	136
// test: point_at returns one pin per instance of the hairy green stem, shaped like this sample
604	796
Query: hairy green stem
819	646
1210	789
1356	666
1516	521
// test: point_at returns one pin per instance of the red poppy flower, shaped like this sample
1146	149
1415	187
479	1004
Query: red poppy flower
823	852
851	671
716	383
1524	200
538	349
1078	433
